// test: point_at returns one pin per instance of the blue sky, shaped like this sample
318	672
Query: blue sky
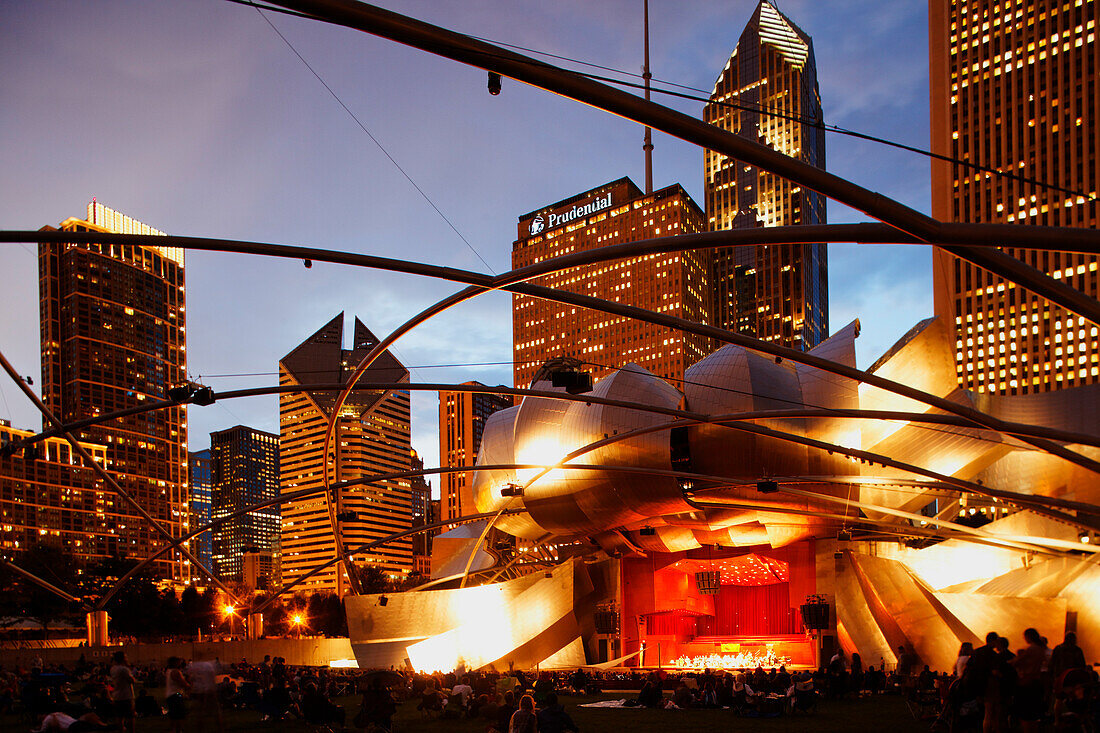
196	118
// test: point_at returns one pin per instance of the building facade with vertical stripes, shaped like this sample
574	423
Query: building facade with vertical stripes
462	417
372	437
1013	88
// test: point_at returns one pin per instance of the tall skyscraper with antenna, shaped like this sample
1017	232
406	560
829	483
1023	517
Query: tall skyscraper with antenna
768	93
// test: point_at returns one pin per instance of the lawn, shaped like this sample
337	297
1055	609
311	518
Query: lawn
885	713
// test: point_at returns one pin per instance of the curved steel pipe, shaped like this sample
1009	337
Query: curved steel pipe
661	319
1019	430
480	54
371	545
44	584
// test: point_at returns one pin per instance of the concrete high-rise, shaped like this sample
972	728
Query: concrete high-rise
614	213
198	505
462	417
1013	88
372	437
768	93
244	471
113	330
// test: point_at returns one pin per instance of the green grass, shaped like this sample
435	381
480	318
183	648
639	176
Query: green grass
886	713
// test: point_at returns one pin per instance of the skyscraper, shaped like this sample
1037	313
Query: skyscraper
421	515
244	470
614	213
768	93
1013	87
198	505
372	437
49	497
113	336
462	417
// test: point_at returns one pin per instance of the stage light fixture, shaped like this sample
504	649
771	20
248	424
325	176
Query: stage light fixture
203	396
494	83
181	393
575	382
509	490
844	535
767	487
1085	537
307	263
382	600
647	531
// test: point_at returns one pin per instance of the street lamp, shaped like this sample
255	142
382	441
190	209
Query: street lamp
229	612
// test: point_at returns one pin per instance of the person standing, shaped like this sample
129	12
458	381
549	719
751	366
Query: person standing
122	691
1030	699
175	693
1066	656
204	681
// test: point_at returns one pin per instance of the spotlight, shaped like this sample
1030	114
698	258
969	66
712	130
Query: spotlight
647	531
767	487
307	263
382	600
779	360
844	535
204	396
575	382
180	394
1085	537
511	490
494	83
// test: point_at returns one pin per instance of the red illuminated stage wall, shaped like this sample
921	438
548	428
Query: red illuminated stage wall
756	608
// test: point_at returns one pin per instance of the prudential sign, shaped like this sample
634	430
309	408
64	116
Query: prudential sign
556	219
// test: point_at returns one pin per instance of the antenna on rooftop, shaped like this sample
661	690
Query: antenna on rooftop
647	144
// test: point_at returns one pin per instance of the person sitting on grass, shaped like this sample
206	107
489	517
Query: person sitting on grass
276	703
319	710
682	696
431	699
377	707
64	722
553	718
524	720
803	695
504	713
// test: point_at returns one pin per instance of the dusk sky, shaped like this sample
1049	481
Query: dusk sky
196	118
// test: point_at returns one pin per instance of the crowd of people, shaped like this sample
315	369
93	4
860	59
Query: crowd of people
990	688
994	689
